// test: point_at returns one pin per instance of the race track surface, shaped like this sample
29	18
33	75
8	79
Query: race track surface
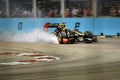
96	61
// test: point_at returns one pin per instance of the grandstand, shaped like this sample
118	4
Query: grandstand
41	8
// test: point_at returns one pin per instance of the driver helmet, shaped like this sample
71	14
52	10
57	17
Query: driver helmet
62	25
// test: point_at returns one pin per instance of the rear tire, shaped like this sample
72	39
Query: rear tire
60	36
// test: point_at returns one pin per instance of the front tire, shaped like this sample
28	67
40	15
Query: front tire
88	34
88	37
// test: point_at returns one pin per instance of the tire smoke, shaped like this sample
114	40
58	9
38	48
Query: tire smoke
32	36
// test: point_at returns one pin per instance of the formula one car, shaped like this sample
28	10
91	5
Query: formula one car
67	36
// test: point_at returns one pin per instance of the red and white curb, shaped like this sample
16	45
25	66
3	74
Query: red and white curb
36	57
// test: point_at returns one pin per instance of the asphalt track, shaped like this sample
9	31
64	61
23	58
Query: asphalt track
96	61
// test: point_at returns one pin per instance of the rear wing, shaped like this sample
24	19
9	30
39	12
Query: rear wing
49	25
55	25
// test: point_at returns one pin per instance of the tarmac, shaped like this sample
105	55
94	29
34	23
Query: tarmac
81	61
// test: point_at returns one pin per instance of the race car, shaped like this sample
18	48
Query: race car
67	36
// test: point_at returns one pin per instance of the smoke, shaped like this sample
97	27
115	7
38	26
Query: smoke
32	36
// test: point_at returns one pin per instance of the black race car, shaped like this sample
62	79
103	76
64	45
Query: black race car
70	36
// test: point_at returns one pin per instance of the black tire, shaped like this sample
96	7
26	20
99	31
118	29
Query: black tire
88	34
95	39
88	37
60	36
